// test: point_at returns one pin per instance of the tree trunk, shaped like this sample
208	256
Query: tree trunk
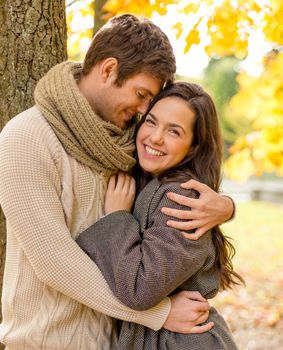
33	38
98	15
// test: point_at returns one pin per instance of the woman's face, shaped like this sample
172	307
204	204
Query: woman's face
165	137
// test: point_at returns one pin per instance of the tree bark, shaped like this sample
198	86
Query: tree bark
99	18
33	38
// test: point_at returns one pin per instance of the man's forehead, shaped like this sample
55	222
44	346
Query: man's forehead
149	83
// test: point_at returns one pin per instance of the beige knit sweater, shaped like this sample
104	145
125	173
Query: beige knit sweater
54	296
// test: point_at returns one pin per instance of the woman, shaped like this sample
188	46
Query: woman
144	260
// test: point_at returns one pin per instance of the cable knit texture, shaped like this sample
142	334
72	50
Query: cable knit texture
51	287
98	144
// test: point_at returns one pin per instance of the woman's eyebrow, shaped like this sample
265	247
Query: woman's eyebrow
152	115
169	124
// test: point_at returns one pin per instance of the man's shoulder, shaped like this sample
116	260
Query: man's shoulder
30	133
27	125
25	120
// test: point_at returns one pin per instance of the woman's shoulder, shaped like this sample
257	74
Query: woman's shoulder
154	195
175	186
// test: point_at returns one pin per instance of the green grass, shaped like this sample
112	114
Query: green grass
255	312
257	233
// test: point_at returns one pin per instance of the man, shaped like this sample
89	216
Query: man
55	160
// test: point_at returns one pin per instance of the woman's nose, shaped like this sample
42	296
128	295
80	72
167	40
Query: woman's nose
157	136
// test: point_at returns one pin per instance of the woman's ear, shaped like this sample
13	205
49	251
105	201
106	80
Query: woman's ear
192	151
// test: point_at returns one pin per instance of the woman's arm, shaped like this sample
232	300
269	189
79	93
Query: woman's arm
141	269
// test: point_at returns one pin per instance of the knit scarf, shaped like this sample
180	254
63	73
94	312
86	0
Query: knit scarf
96	143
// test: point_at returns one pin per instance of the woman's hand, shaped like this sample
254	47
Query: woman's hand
120	194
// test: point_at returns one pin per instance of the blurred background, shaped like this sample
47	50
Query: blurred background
234	48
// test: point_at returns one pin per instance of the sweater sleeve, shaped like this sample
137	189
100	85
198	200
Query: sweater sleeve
30	199
143	268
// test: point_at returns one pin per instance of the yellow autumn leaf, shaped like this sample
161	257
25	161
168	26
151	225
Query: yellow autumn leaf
178	28
192	38
274	21
239	145
275	158
112	6
192	7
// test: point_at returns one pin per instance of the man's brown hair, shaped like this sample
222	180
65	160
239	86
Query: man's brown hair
138	45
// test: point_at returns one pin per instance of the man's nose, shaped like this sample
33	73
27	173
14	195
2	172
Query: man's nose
143	107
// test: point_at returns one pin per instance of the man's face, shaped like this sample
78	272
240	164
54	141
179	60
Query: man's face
118	104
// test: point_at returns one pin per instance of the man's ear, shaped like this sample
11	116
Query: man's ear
109	69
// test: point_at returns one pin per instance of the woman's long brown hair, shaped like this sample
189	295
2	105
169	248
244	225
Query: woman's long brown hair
203	163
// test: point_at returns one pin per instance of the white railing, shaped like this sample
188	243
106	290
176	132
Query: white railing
263	190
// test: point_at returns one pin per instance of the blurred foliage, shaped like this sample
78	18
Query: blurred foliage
255	312
225	26
81	18
80	23
141	7
260	99
220	80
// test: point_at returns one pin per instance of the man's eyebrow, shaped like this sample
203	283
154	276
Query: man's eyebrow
149	92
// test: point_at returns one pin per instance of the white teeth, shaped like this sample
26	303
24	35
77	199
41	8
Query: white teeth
153	151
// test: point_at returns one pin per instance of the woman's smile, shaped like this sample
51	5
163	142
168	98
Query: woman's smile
161	143
153	151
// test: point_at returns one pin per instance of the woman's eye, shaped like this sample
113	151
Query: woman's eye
149	121
174	132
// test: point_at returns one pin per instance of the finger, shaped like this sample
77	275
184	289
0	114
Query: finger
184	225
120	181
202	317
189	214
201	329
111	183
202	306
191	236
196	235
193	295
202	230
133	186
196	185
179	214
127	183
199	318
183	200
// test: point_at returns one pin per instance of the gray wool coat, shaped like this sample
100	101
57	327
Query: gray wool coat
144	260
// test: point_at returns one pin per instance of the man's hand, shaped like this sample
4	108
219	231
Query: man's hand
188	310
209	210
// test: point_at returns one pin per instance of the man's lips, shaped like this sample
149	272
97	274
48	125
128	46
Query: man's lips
128	115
